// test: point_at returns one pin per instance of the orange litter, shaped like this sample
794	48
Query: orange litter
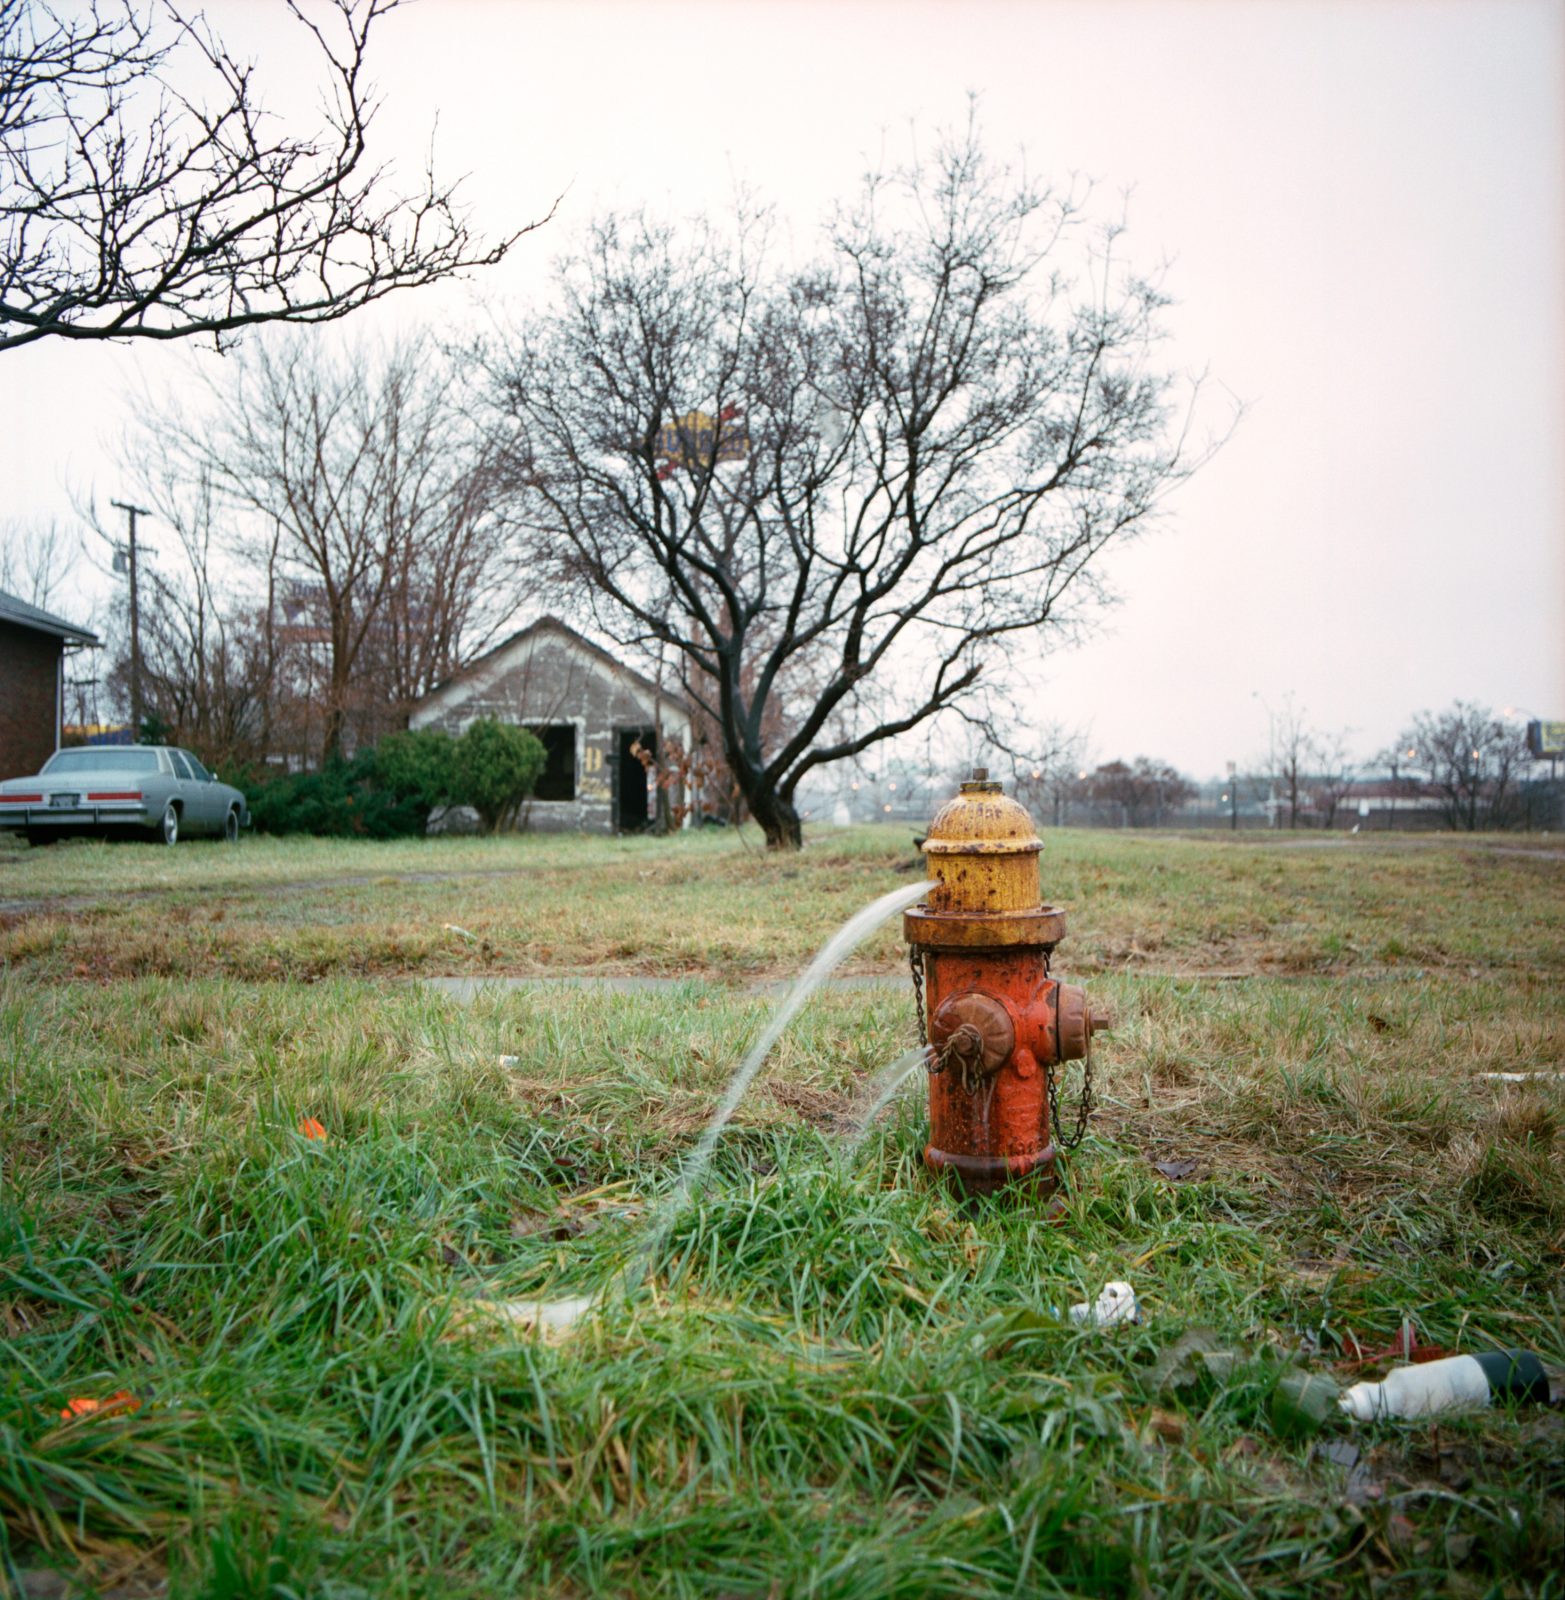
311	1129
82	1405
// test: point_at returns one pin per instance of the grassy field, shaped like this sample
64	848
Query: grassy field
836	1381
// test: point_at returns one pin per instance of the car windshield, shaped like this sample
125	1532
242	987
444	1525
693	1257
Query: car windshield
101	758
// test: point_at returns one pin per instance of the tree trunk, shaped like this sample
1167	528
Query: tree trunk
778	819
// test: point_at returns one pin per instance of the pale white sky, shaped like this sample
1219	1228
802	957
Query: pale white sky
1363	204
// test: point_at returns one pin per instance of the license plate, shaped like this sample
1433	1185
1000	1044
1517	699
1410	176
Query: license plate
66	802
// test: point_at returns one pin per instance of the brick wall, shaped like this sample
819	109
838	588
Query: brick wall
29	684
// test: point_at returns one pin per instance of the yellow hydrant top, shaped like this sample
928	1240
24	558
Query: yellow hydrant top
983	851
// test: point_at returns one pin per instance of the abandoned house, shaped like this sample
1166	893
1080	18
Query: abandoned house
587	707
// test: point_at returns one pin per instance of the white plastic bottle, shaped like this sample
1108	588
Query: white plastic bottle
1459	1383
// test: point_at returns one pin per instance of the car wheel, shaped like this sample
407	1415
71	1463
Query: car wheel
168	828
231	825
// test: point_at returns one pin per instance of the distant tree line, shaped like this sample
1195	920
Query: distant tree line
1465	769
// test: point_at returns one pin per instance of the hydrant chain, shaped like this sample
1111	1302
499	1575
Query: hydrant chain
915	960
1083	1107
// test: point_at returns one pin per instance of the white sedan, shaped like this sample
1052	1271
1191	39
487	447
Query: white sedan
141	788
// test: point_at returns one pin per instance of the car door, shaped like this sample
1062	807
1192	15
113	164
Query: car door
188	792
208	795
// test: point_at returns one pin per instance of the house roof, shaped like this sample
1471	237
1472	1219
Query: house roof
20	614
580	641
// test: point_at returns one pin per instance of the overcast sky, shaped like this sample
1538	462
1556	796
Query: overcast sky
1363	205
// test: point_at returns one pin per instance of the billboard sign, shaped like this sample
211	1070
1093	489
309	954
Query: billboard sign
697	438
1546	740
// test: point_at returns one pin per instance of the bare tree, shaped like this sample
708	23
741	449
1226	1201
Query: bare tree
35	559
1475	762
208	670
368	502
1141	793
1333	776
145	194
849	490
1046	770
1292	746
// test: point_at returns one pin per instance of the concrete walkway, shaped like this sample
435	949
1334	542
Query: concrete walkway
465	990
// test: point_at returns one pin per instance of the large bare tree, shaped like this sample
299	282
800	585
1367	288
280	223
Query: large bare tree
360	494
145	192
844	492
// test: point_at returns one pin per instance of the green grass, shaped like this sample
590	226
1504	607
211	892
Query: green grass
838	1381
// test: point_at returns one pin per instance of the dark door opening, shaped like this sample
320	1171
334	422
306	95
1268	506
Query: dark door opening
557	781
632	813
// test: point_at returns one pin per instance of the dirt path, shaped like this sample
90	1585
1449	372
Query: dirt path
86	902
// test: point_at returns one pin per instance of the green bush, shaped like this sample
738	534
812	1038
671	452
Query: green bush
496	767
419	765
388	792
341	801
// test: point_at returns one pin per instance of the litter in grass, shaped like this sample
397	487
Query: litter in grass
311	1128
119	1404
1459	1383
1116	1304
1303	1403
556	1317
1521	1077
451	927
1358	1483
1178	1169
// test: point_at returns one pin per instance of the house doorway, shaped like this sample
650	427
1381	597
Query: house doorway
632	813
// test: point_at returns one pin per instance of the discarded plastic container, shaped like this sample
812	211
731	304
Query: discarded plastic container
1115	1305
1459	1383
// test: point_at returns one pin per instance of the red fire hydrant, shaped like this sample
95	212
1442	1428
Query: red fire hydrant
998	1026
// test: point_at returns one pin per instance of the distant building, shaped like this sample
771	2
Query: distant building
587	707
33	647
1383	801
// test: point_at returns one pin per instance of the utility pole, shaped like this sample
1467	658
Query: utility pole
1233	797
132	512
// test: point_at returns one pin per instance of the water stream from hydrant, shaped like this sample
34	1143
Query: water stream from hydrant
562	1314
885	1084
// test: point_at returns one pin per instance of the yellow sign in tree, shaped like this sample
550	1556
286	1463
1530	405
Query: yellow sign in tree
698	439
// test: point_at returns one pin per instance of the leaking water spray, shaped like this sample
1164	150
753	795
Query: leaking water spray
560	1315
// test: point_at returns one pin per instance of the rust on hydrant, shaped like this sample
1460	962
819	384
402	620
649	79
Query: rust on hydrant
998	1024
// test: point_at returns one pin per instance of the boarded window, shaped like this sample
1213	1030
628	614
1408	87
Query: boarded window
559	774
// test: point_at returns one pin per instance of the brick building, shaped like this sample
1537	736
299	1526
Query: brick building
33	647
586	706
